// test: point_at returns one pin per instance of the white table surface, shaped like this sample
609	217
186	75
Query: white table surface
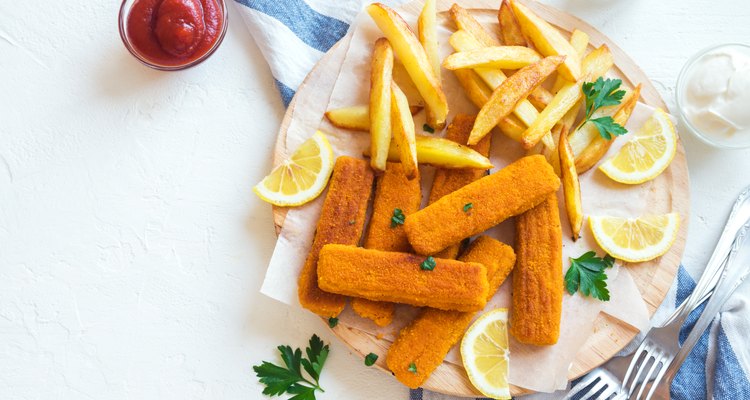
132	248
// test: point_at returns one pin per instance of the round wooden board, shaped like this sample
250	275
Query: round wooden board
653	278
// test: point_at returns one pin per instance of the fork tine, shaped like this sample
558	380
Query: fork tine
641	367
584	383
658	379
633	362
602	384
659	358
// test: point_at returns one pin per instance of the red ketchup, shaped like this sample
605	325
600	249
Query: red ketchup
174	32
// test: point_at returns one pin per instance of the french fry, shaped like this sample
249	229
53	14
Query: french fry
465	22
580	41
505	57
427	31
510	30
408	49
403	131
571	185
380	102
598	147
478	93
442	153
548	40
595	64
403	80
356	118
565	124
510	92
525	111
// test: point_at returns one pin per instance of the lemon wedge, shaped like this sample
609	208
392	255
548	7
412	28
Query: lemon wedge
300	178
636	239
647	154
485	354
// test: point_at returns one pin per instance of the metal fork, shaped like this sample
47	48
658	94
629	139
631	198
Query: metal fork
604	384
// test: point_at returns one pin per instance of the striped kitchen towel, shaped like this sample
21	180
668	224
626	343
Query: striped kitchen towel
294	34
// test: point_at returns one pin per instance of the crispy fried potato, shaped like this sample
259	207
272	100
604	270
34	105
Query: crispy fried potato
595	64
465	22
380	102
510	30
403	80
442	153
510	92
571	185
580	41
505	57
356	118
403	131
565	124
427	31
463	41
548	40
598	146
408	49
478	93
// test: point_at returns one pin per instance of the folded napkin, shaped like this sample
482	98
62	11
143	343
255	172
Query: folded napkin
294	34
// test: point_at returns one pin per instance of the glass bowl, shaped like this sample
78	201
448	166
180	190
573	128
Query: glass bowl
710	138
125	8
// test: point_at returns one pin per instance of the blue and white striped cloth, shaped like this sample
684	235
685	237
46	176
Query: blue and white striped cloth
294	34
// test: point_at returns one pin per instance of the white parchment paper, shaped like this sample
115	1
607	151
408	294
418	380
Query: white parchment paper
542	369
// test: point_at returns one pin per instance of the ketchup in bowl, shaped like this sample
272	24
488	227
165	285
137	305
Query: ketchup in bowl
172	34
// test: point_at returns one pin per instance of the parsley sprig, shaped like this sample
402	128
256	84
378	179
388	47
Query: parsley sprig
602	93
586	273
398	218
289	379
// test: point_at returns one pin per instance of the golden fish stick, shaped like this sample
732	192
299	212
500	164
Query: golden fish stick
449	180
538	277
428	338
342	220
402	278
394	191
481	205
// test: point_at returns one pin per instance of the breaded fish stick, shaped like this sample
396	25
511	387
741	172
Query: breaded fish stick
538	277
342	220
427	340
393	191
449	180
481	205
402	278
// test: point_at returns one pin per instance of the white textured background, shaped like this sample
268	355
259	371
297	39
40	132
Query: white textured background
131	245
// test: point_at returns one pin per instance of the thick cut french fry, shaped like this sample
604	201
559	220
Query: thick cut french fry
510	30
427	31
595	64
580	41
408	49
403	80
442	153
598	146
571	185
525	111
356	118
505	57
403	131
465	22
565	124
510	93
381	76
478	93
548	40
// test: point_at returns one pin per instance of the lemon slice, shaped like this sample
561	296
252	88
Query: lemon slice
485	353
302	177
647	154
636	239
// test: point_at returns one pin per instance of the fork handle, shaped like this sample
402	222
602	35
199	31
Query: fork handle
731	278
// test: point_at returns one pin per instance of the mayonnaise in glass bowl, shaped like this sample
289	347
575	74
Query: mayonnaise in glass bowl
713	95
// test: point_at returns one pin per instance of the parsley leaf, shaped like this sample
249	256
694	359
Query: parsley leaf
428	264
370	359
428	128
412	368
602	93
398	218
289	379
468	206
586	274
333	321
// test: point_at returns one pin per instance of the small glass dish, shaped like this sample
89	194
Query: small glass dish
125	8
738	140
